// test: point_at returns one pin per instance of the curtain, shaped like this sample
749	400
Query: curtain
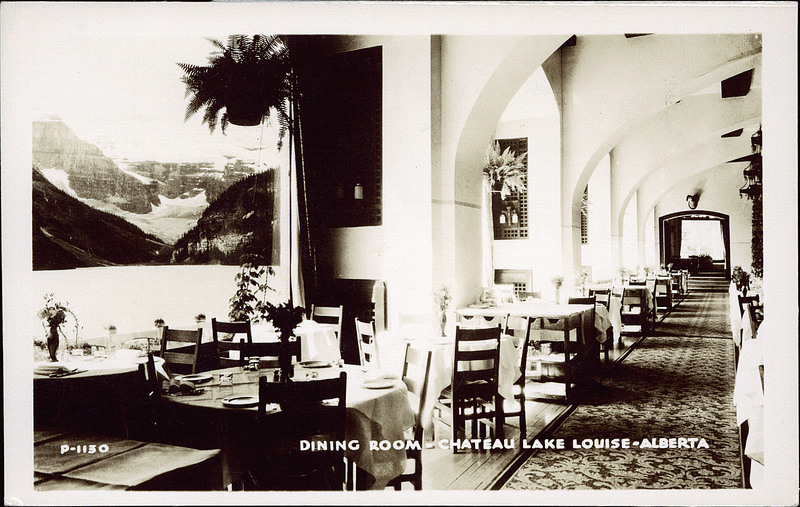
675	236
303	272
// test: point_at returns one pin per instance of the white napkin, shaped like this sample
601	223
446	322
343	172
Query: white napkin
50	368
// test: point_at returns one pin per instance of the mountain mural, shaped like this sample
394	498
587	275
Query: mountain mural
68	234
91	174
142	208
241	225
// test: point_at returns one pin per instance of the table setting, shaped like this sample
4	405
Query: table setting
377	409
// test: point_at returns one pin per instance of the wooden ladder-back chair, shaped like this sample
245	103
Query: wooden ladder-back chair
224	347
752	300
475	398
602	296
367	346
519	330
588	327
663	294
309	411
329	315
635	313
185	357
416	373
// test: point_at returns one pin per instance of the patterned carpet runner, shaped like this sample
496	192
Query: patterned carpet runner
674	389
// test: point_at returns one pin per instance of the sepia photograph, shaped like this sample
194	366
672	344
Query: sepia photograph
399	252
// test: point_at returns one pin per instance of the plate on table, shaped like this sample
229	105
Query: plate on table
240	401
314	364
379	383
197	378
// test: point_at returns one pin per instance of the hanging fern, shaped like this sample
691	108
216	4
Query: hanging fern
505	169
247	78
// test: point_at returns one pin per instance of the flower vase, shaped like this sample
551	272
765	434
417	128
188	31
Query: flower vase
443	322
52	343
285	359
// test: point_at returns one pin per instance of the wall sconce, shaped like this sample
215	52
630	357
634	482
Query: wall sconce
502	218
692	200
514	217
358	192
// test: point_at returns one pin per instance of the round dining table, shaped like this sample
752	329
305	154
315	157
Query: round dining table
204	420
90	393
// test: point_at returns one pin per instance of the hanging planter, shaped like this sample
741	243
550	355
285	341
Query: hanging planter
242	83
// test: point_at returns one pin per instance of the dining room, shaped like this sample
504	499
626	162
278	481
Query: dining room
451	263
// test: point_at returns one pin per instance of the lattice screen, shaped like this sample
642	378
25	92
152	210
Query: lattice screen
517	201
585	217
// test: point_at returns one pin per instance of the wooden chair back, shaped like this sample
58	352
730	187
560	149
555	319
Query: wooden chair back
416	374
602	296
367	346
329	315
224	346
754	299
309	411
184	357
476	362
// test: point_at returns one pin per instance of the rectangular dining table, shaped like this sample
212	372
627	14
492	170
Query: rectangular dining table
375	411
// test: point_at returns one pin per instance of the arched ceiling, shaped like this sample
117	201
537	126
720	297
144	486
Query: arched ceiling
615	87
695	125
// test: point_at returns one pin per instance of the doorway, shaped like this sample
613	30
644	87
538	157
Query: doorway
697	241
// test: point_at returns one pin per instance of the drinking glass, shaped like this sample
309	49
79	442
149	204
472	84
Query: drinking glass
225	387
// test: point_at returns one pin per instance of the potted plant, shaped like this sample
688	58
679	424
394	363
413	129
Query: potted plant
503	173
252	286
741	279
53	315
285	318
247	77
442	299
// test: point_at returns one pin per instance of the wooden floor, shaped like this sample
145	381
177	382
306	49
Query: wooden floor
480	470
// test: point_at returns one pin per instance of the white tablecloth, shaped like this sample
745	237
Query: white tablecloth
735	315
120	361
748	396
615	315
318	342
374	415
